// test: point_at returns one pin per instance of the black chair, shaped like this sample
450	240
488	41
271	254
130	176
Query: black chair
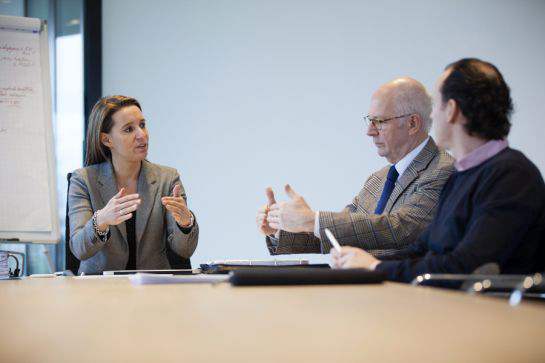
176	261
72	262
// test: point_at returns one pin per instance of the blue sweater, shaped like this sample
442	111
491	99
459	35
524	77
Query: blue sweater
493	212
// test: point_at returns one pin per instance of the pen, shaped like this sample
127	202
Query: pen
332	239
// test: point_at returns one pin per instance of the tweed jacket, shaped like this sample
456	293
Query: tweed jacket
92	187
408	212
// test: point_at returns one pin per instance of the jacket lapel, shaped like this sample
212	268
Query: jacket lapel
108	188
147	190
419	163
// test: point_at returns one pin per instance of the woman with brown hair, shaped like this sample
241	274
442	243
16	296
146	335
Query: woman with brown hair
123	209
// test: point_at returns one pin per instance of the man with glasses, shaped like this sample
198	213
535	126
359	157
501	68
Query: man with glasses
396	203
491	210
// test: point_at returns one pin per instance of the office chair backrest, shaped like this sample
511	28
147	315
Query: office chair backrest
72	263
542	250
177	262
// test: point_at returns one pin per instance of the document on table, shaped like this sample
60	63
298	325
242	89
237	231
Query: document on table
98	277
149	279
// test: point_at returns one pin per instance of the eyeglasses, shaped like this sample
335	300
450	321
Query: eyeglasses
378	123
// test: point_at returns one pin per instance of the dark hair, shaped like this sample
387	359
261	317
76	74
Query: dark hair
100	120
483	96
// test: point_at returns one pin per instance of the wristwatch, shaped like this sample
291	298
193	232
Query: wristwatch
102	235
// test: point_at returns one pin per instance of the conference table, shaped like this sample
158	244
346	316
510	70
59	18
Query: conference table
66	319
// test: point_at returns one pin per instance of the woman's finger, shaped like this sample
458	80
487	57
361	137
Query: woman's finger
173	210
127	198
128	209
124	218
172	199
179	206
128	204
177	190
119	194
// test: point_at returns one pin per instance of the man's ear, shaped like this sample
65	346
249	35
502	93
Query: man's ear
105	139
453	111
415	124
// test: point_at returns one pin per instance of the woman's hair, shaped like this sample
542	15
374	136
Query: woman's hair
100	120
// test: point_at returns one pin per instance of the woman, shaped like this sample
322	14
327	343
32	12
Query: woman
123	209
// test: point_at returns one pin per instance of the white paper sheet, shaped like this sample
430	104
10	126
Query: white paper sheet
147	279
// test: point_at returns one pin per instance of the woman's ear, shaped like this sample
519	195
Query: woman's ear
105	139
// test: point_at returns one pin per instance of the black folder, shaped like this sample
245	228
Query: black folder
306	276
226	268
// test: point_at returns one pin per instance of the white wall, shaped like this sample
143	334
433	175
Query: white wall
240	95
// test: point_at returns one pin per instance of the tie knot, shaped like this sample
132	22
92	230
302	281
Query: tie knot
392	173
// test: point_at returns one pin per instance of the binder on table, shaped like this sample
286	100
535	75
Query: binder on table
226	266
164	272
307	276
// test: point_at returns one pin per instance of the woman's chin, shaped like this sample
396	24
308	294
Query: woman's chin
141	155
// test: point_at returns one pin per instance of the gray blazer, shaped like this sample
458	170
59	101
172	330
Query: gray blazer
408	212
92	187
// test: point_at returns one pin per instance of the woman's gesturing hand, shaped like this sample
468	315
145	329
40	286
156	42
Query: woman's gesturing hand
118	210
177	207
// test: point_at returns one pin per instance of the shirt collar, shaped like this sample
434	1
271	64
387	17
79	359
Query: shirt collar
404	163
480	154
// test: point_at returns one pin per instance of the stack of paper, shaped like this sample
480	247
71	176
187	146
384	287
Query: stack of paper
4	269
149	279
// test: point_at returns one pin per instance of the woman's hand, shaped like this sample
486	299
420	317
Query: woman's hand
352	257
118	210
177	207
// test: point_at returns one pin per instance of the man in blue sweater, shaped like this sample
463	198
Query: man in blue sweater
492	208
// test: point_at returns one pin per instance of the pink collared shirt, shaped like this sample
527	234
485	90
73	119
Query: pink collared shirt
480	154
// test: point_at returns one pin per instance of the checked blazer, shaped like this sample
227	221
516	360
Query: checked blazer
408	212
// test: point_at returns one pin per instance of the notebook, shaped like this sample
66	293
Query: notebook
225	266
168	272
307	276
